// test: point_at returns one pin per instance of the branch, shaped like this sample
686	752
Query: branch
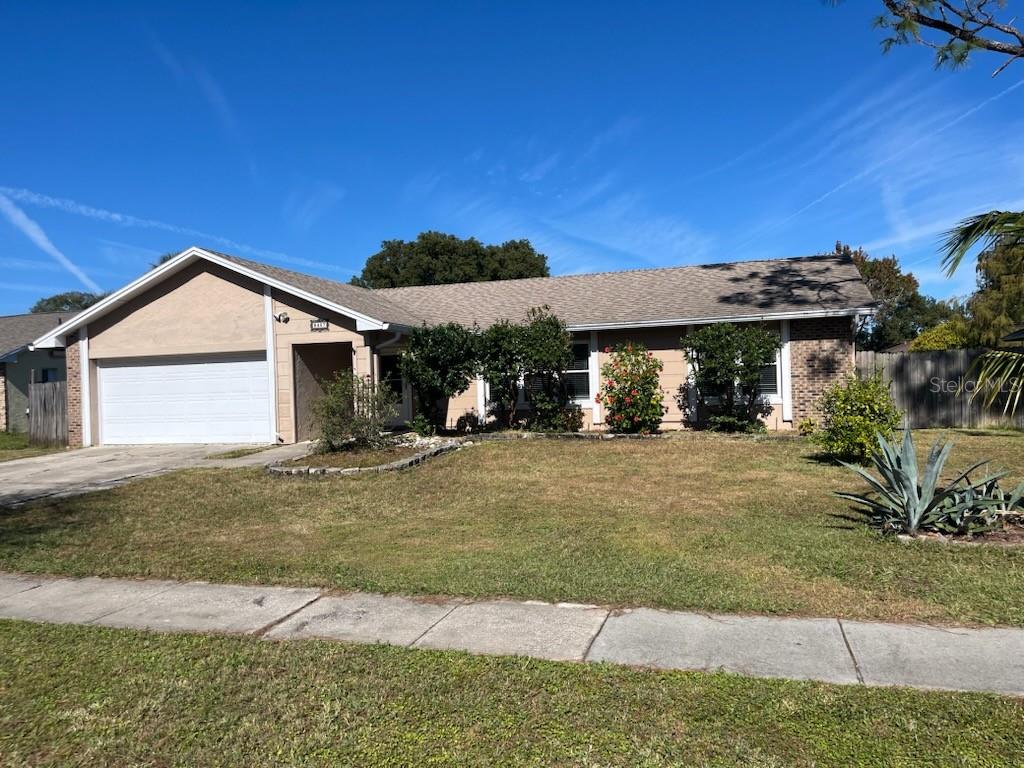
972	20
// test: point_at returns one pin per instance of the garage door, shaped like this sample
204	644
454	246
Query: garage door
185	400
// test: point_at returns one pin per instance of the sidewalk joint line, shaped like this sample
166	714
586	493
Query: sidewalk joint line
607	615
131	604
279	621
425	631
849	650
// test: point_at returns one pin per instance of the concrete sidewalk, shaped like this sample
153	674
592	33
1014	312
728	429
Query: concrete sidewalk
829	650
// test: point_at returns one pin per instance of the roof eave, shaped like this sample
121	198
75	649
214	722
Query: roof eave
754	318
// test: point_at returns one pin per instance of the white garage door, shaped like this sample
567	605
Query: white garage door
185	400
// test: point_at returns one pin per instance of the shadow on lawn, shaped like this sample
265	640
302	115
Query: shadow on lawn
24	526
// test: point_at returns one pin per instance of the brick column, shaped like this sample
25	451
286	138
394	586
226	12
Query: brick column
73	361
3	397
821	353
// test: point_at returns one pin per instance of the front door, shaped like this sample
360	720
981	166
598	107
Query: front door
312	365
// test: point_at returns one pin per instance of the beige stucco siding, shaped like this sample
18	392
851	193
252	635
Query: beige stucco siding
297	331
201	310
462	404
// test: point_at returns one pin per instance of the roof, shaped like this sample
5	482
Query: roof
809	286
18	331
363	300
826	284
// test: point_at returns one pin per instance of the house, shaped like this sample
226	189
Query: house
20	366
208	347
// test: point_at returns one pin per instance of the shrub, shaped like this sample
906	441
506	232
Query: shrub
501	356
806	427
438	363
353	412
725	372
908	501
853	413
555	414
630	392
947	335
421	426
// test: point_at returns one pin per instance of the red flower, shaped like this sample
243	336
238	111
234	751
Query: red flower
629	400
607	350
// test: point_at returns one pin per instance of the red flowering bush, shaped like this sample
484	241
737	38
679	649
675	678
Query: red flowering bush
629	390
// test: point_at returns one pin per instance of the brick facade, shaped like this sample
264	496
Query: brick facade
73	360
820	352
3	397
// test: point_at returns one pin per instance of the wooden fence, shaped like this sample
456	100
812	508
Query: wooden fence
925	386
48	413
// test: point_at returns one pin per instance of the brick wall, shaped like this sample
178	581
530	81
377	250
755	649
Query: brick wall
73	360
820	352
3	397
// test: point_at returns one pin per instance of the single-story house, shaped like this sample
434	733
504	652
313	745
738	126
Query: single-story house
208	347
20	366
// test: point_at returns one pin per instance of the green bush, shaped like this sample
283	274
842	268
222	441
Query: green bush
353	413
439	362
631	392
853	413
947	335
725	373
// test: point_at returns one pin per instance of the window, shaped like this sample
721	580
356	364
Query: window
390	374
48	374
769	386
577	375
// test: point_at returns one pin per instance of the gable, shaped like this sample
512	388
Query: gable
203	308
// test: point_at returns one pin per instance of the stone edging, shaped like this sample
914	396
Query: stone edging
394	466
505	436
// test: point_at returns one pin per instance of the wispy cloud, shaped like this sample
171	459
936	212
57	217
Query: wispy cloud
28	227
210	90
540	169
66	205
620	130
303	209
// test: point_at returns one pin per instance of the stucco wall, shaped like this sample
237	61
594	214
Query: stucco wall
297	331
19	375
202	309
3	397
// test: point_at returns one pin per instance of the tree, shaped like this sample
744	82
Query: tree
165	258
903	310
948	335
434	258
71	301
502	358
997	307
725	372
438	363
954	29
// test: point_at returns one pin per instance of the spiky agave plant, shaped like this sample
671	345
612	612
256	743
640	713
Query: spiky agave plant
906	500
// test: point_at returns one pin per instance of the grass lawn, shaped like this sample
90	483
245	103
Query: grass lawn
90	696
361	457
700	522
15	445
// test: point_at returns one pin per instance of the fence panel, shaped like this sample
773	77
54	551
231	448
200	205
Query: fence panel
925	386
48	413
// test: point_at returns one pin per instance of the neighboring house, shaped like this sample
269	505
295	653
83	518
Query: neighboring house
20	366
208	347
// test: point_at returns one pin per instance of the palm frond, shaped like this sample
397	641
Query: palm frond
985	228
1000	373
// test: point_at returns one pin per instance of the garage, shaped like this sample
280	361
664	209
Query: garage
188	399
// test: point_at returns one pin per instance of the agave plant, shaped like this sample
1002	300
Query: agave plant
905	500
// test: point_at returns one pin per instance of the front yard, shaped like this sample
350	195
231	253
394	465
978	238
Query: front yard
697	522
90	696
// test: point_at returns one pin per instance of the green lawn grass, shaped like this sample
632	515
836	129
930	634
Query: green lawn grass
91	696
15	445
697	522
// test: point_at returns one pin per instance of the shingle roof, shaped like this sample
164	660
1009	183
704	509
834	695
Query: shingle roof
17	331
362	300
826	283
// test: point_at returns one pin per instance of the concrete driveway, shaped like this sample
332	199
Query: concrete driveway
91	469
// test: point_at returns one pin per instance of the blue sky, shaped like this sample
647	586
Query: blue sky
612	135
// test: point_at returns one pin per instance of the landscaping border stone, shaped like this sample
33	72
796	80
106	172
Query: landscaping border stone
512	435
393	466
